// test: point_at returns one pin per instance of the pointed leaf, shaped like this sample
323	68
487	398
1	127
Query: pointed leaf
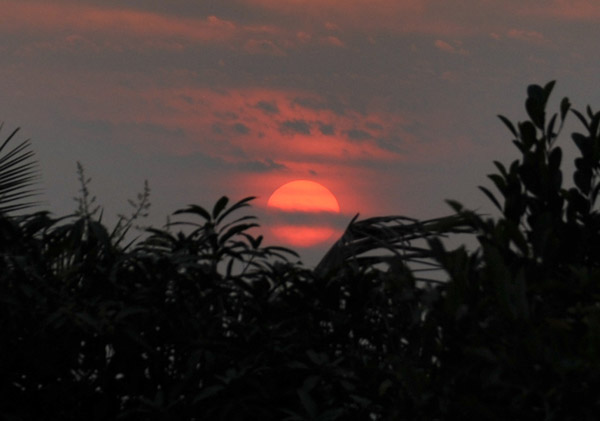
235	230
491	197
241	204
219	206
501	168
565	105
196	210
581	118
535	105
550	129
508	124
548	89
499	182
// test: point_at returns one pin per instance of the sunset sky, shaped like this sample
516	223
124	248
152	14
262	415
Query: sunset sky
390	104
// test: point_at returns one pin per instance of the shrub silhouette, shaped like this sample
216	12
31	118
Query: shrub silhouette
207	323
519	316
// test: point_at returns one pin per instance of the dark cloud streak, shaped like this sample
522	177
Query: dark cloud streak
269	107
241	128
357	134
327	129
268	165
295	127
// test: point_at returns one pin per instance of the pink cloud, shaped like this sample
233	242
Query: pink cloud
263	46
399	16
448	48
334	41
107	27
272	120
331	26
439	18
295	128
527	36
112	27
303	36
42	16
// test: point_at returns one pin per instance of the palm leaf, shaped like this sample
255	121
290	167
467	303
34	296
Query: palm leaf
18	173
390	238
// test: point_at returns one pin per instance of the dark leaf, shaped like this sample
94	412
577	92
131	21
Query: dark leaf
239	205
17	174
583	180
550	135
500	183
219	206
491	197
565	105
581	118
584	145
235	230
535	105
528	134
555	159
508	124
195	210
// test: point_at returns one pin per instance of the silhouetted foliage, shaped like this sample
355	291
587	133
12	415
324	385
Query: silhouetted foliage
17	175
200	320
519	317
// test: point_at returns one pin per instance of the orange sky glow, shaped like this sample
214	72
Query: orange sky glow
302	235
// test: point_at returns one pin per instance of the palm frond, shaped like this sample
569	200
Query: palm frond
18	173
389	239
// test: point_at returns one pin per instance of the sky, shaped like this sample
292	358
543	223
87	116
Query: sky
389	104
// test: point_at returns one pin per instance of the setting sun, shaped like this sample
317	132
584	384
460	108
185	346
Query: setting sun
302	207
304	196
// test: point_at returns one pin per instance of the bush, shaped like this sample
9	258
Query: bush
518	318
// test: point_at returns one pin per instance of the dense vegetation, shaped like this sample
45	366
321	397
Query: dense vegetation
198	320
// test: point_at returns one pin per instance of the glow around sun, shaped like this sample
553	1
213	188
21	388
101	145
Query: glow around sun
302	207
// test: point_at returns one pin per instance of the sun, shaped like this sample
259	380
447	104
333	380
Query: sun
304	196
304	211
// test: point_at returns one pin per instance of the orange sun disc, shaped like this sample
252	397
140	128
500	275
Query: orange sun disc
304	196
302	213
